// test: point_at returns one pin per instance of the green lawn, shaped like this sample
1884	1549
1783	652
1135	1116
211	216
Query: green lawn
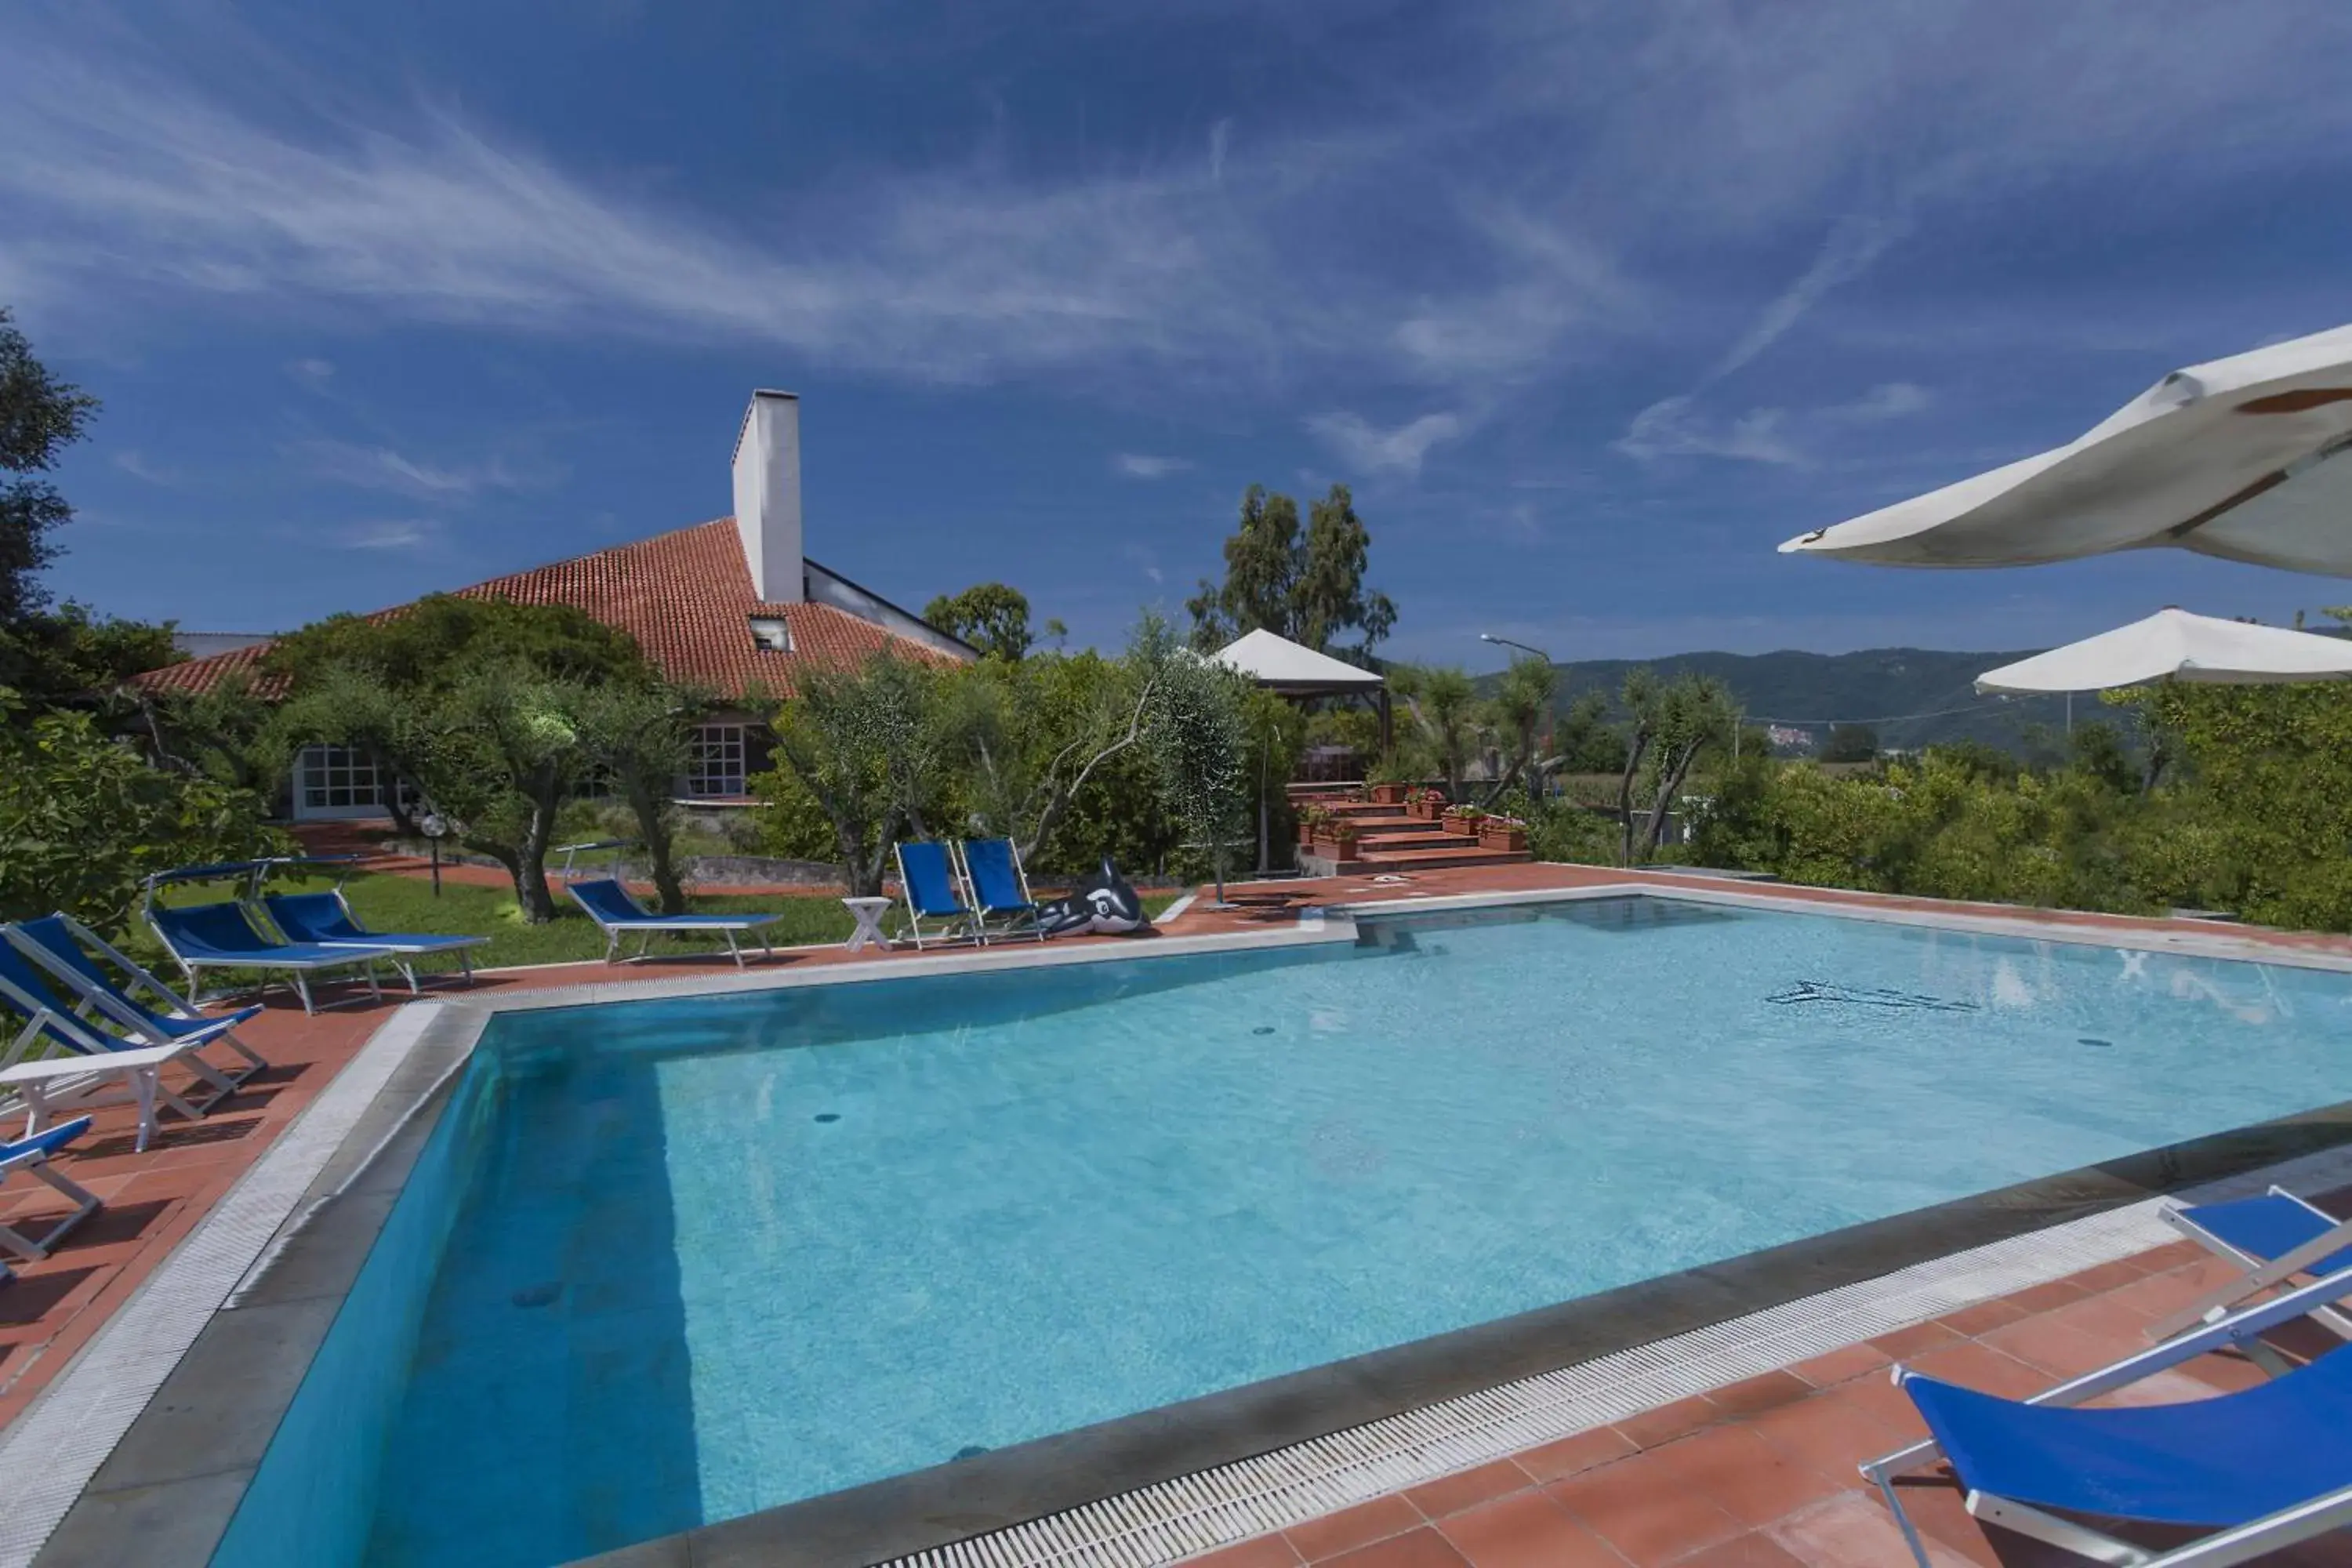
385	903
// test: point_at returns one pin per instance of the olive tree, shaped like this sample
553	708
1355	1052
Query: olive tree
1200	739
637	737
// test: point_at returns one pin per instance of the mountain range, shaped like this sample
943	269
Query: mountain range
1913	696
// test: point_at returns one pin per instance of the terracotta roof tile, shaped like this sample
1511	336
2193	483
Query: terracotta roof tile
686	597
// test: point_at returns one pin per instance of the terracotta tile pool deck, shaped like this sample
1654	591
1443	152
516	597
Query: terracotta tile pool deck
1752	1476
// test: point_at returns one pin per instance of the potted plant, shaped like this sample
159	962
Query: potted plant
1428	804
1310	817
1462	819
1502	833
1336	840
1386	781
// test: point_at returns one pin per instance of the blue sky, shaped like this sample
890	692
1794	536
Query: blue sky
1593	304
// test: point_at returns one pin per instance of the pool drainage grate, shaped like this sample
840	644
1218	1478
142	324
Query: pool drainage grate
1197	1513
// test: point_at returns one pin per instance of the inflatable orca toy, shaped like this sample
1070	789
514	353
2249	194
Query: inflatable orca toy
1103	903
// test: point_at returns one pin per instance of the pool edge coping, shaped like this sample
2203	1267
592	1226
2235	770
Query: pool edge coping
110	1405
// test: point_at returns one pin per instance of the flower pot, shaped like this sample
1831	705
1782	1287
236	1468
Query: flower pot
1388	794
1513	838
1306	834
1456	823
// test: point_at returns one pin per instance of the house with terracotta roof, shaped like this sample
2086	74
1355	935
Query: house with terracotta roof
732	606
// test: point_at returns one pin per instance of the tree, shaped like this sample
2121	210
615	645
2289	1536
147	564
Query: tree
68	654
1851	743
83	820
865	745
471	701
1443	703
639	738
1200	739
1028	738
40	417
991	616
1640	694
1522	702
1691	714
1307	587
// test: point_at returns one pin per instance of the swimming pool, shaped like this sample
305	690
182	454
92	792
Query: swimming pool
667	1263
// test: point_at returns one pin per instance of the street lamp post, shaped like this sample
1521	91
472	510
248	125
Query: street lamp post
434	828
1523	647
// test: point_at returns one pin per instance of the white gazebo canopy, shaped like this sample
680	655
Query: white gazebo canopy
2242	458
2173	645
1293	670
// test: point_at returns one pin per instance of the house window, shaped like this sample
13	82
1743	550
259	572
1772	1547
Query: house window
716	764
339	778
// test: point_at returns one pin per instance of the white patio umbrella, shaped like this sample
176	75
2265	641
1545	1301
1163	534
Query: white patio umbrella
2173	645
2241	459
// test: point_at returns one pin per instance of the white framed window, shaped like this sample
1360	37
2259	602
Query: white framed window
339	779
715	765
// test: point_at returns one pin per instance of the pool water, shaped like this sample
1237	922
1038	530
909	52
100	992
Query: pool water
705	1257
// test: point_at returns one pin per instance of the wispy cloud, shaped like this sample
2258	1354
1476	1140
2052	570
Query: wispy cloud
139	466
1852	244
1671	427
1398	450
1888	400
1143	466
389	533
383	468
314	373
1676	427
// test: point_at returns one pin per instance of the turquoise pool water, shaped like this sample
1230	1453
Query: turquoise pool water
667	1263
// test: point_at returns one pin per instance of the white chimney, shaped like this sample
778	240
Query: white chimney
768	495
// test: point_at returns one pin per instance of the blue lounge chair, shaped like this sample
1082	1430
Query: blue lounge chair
2274	1239
60	944
2260	1469
326	920
223	936
92	1060
31	1155
931	886
608	903
1000	888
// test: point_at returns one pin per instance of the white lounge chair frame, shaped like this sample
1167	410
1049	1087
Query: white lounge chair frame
2260	1275
92	997
2240	1543
49	1084
35	1163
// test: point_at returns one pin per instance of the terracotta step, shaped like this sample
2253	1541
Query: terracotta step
1430	859
1420	835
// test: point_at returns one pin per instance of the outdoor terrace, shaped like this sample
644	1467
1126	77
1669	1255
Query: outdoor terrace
1757	1472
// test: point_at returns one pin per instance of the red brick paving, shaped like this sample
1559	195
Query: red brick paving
1758	1474
1762	1473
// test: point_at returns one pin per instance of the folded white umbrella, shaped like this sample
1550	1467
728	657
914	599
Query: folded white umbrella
2241	459
2173	645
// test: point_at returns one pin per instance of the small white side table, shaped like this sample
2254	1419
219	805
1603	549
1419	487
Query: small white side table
869	913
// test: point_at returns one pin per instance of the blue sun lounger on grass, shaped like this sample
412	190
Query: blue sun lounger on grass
325	920
223	936
608	903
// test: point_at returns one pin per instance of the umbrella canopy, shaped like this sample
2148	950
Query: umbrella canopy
1280	665
2173	645
2240	459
